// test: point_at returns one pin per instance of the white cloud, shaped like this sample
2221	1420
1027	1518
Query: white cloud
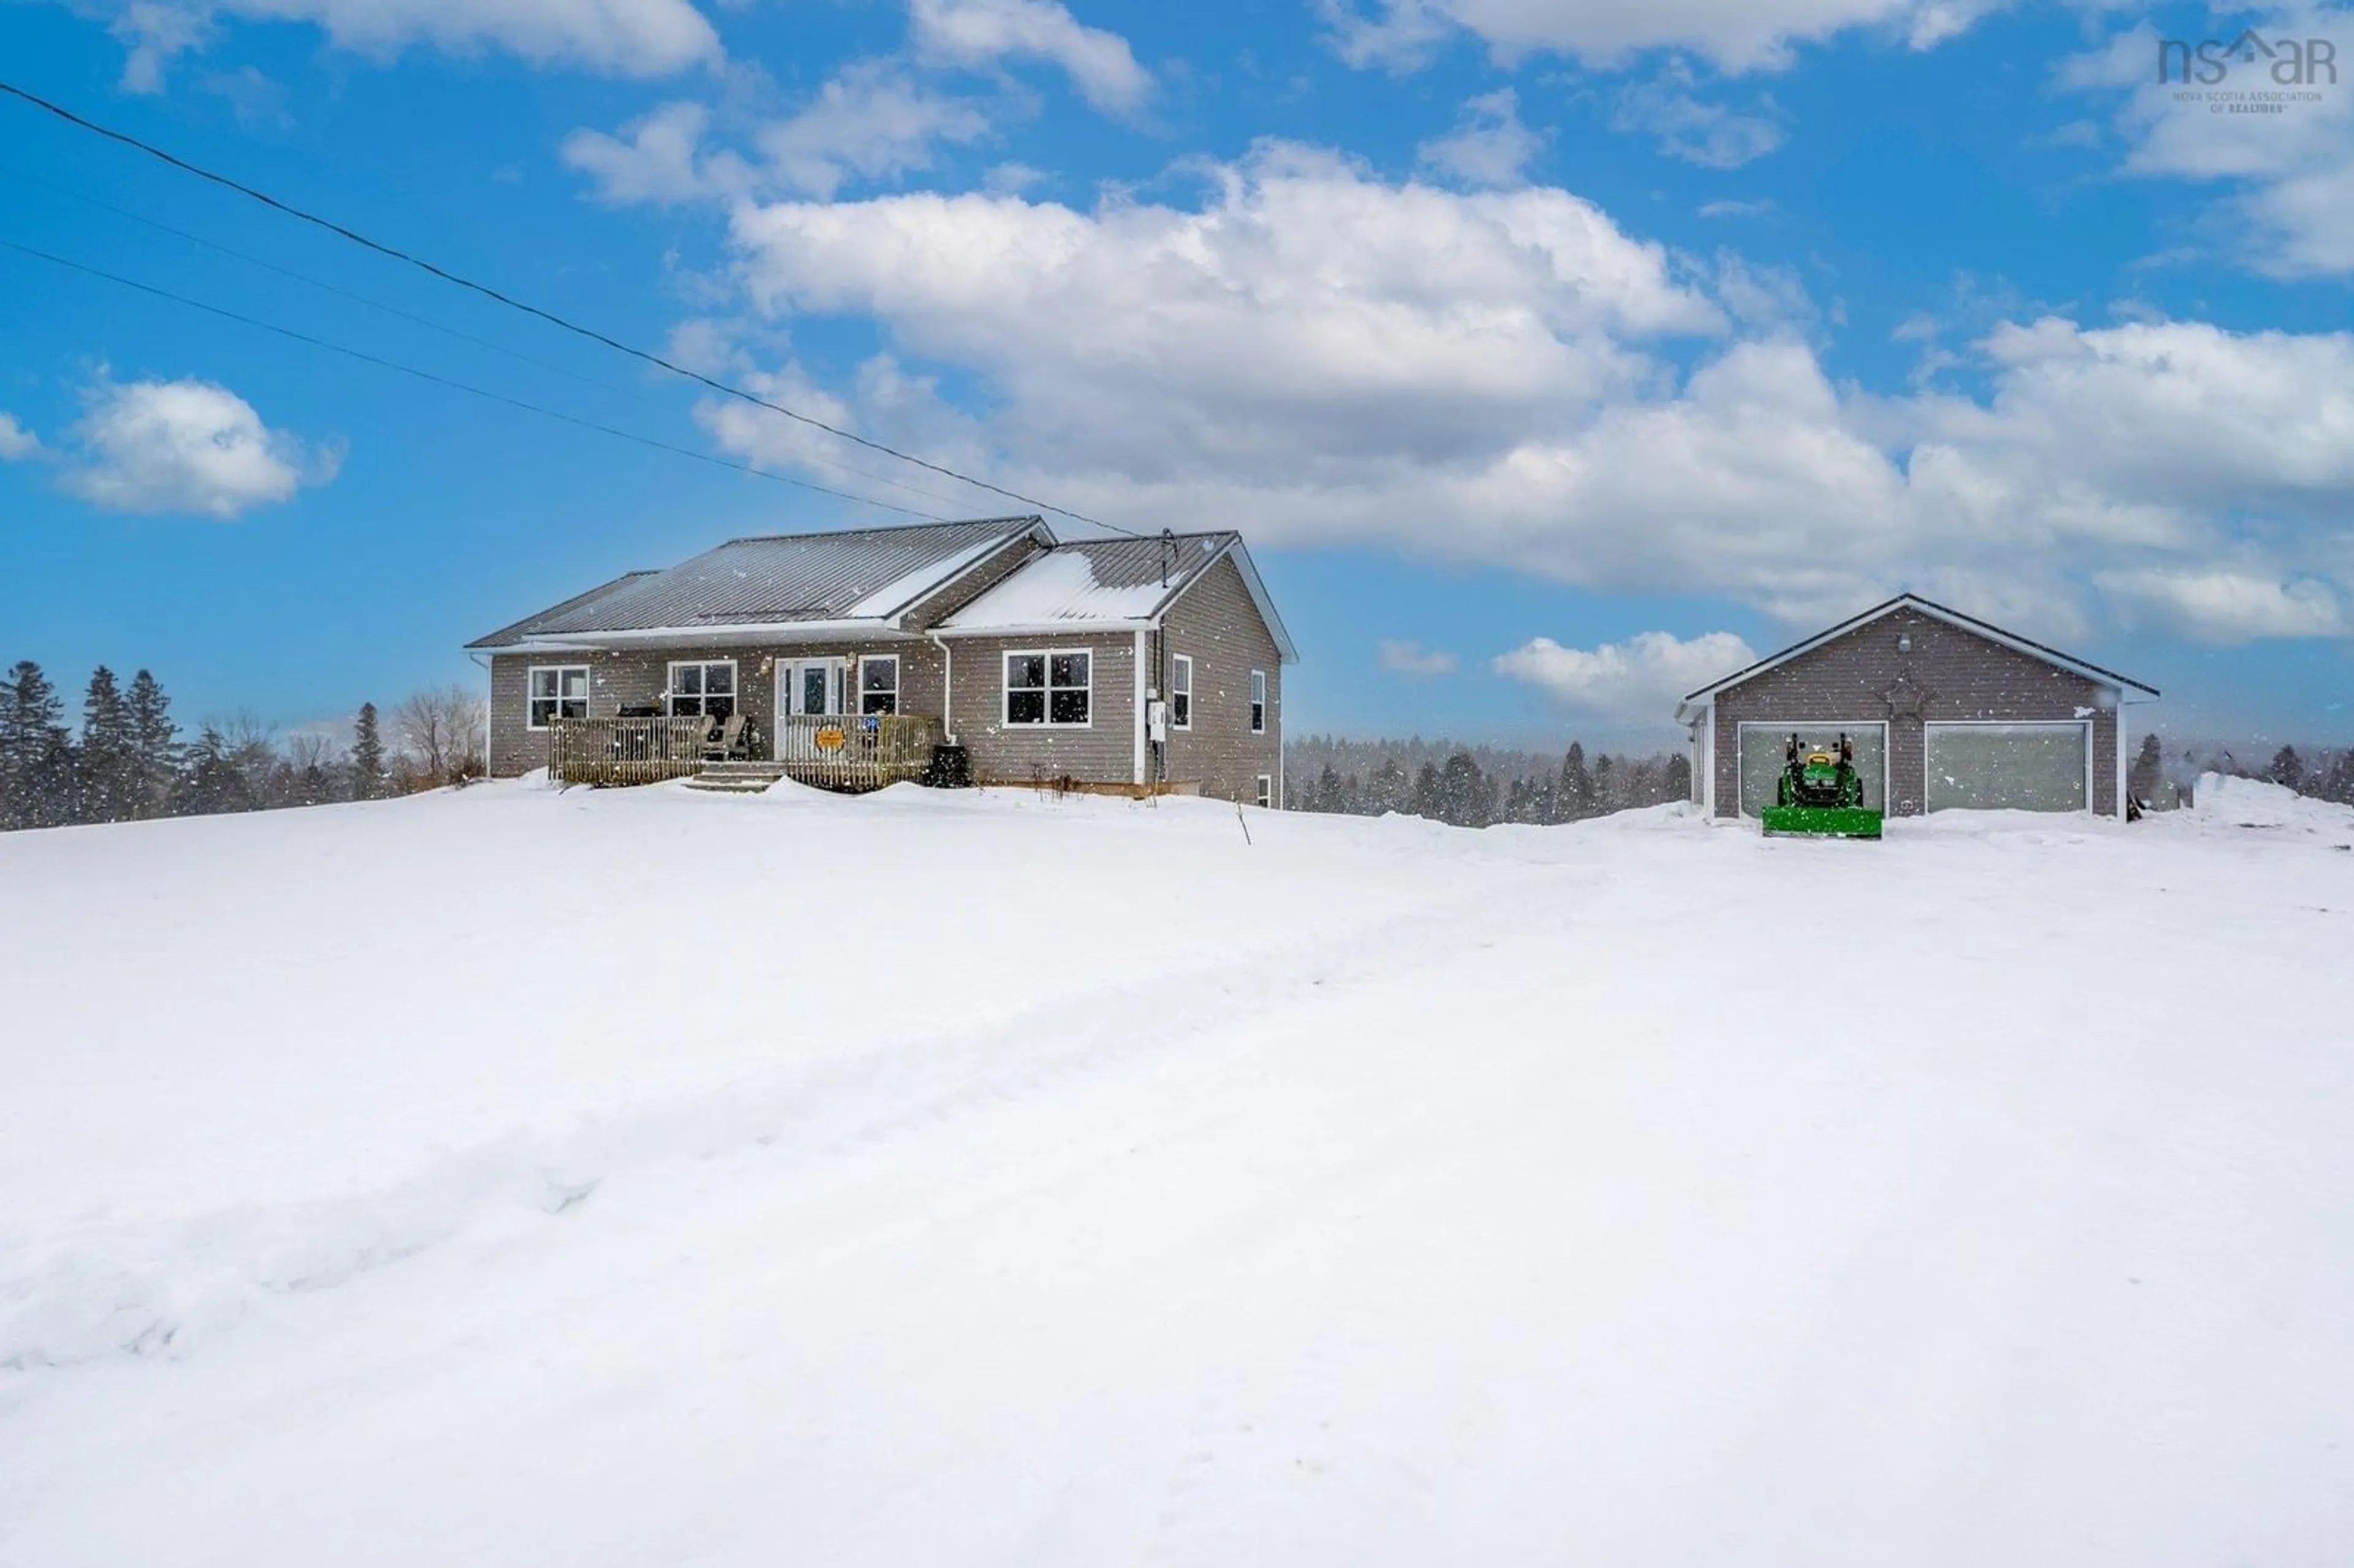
15	441
658	157
2289	175
187	446
1640	678
2226	606
1494	377
1757	208
1011	179
1735	35
870	122
980	33
1488	145
1413	659
1692	129
619	37
154	33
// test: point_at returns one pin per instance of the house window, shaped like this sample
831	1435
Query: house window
1049	688
1181	692
558	691
1259	705
705	688
1266	788
878	684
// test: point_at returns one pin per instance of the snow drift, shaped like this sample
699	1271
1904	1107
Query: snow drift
517	1176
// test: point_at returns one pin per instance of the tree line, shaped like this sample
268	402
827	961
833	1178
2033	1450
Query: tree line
128	759
1476	786
2159	780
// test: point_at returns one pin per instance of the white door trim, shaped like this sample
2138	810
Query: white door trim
1786	727
2083	725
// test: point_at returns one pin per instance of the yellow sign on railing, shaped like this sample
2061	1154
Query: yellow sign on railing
830	738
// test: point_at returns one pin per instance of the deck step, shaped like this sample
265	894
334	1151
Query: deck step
736	777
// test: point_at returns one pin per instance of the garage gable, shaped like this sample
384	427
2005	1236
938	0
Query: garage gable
1913	675
1914	606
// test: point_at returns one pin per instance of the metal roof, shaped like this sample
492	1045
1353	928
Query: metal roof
1112	582
522	629
1987	630
1093	581
780	579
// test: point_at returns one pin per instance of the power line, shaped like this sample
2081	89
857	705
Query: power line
426	321
366	358
484	289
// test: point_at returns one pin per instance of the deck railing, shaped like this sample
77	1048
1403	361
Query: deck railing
836	751
848	751
625	750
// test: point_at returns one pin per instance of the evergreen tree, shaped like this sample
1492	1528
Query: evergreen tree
1605	789
1679	779
1576	790
36	751
1467	797
2287	770
1516	802
2338	785
1389	790
367	756
1426	799
213	783
154	737
2149	770
109	781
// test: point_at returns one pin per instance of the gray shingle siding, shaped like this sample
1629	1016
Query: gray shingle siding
637	676
1218	625
1966	676
1102	753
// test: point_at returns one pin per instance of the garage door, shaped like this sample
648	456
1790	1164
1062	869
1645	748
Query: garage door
1761	758
2022	767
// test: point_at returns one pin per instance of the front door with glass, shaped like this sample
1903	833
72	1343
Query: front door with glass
806	688
814	686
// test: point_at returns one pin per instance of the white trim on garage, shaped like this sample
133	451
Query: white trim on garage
1992	633
2085	725
1802	726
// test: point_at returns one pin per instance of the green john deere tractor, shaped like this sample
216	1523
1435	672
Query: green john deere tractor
1820	795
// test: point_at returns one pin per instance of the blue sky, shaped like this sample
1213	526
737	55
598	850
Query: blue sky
1550	351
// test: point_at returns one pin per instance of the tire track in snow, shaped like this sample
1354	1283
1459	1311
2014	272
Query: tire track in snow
95	1294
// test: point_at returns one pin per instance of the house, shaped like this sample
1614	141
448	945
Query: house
1945	710
1125	663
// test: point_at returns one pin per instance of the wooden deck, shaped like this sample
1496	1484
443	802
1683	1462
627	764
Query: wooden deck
844	751
606	752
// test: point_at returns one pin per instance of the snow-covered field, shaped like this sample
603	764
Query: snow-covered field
644	1178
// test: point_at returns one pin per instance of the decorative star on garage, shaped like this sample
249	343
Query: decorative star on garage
1907	698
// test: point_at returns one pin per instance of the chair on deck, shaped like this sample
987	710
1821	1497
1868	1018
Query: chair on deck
728	744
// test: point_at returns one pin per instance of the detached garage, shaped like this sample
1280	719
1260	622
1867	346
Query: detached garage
1945	710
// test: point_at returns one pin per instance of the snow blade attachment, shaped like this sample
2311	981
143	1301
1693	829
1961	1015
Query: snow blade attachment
1820	795
1821	823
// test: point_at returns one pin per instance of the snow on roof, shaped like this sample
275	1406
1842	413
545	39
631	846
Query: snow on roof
922	580
1093	582
861	574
